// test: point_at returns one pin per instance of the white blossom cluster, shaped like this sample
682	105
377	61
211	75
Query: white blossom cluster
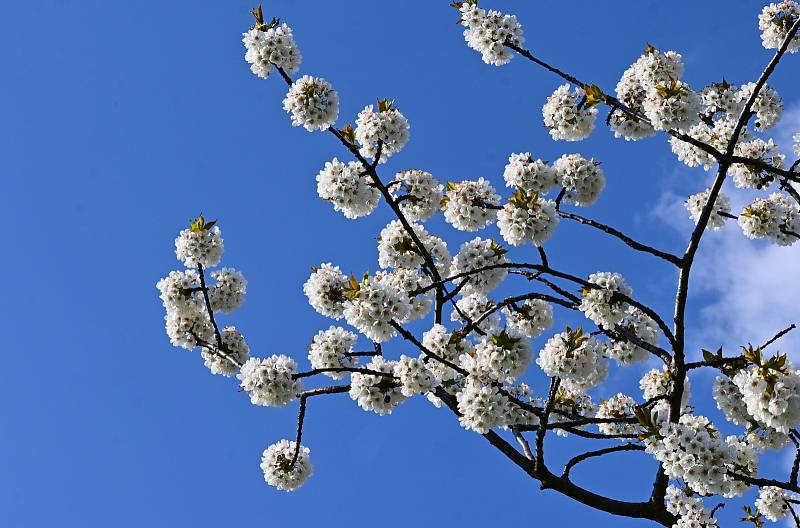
313	103
380	394
772	503
599	304
500	356
563	117
796	139
774	22
716	136
270	381
527	217
329	349
694	451
414	375
273	47
583	179
729	400
347	187
697	202
575	358
572	403
447	346
373	308
396	248
419	194
199	247
474	306
516	414
772	396
530	318
617	406
530	175
657	383
722	98
476	254
228	293
481	407
325	290
690	511
186	317
276	463
387	128
183	295
641	325
692	155
631	92
775	218
407	280
236	353
672	105
469	205
651	86
487	32
768	105
751	176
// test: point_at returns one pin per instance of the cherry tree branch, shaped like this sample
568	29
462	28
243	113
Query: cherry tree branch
630	242
599	452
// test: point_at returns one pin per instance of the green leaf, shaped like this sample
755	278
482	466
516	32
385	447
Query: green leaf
348	133
594	95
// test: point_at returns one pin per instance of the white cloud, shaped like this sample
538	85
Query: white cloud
749	290
754	289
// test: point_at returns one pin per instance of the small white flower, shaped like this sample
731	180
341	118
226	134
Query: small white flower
750	176
530	175
487	33
273	47
347	188
776	218
575	358
276	463
380	394
396	248
313	103
329	349
476	254
269	381
481	407
418	192
199	246
774	22
527	217
564	119
229	291
583	179
387	127
325	290
530	318
373	307
768	105
235	348
499	356
672	105
474	306
696	202
772	502
414	375
448	346
470	205
600	304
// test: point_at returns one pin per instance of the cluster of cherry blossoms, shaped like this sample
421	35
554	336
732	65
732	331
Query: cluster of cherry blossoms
477	363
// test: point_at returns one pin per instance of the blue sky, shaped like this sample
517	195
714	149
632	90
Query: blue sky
122	120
